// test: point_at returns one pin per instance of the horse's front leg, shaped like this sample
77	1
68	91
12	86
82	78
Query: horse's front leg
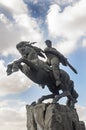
13	67
17	64
9	69
45	97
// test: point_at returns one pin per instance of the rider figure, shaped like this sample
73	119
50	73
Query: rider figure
54	60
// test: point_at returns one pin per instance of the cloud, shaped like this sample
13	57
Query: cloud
21	7
9	36
70	24
65	3
14	83
21	27
81	112
84	42
13	115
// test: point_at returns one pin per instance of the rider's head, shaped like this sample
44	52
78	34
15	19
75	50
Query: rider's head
48	43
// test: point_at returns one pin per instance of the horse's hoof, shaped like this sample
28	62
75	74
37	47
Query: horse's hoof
9	73
71	103
39	100
33	103
56	99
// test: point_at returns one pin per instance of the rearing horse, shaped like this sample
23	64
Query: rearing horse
41	73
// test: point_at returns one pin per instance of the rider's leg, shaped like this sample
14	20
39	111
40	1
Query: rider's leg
56	71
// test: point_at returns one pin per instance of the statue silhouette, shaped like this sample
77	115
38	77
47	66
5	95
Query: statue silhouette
41	73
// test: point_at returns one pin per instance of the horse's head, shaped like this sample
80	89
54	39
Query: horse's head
23	48
27	50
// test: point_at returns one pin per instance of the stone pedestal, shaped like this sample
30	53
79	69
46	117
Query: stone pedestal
52	117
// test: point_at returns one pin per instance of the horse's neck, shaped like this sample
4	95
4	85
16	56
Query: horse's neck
32	55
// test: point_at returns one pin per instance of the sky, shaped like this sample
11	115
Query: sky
61	21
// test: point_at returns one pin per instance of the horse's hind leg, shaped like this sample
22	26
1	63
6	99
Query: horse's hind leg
64	94
71	103
74	94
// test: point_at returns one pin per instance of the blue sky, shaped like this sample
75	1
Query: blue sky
61	21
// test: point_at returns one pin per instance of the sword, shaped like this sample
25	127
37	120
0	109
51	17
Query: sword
74	70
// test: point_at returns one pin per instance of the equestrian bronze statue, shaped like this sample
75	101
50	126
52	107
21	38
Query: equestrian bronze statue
41	73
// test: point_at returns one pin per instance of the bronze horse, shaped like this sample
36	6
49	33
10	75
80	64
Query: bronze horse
41	73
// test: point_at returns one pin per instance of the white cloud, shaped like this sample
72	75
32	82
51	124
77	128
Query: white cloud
14	83
84	43
35	1
65	2
81	112
12	116
10	5
9	36
71	24
22	27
